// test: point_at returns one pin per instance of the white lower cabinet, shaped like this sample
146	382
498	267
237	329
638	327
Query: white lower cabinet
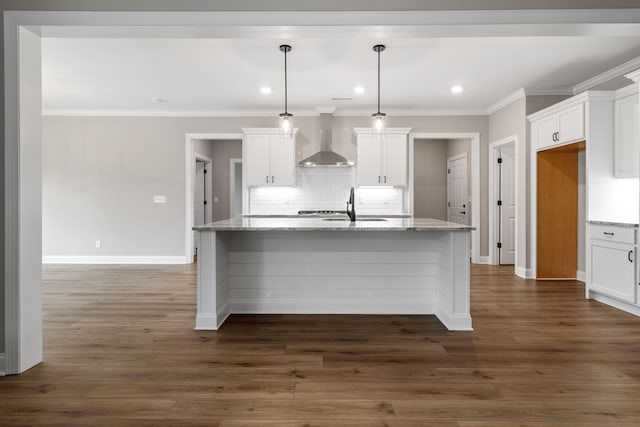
611	256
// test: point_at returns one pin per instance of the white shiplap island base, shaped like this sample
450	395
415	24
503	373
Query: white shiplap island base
313	266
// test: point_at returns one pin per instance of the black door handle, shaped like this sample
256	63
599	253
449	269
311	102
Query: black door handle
463	213
629	255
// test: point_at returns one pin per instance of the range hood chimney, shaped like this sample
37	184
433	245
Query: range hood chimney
326	156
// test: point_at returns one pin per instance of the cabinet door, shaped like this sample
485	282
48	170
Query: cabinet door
369	149
613	269
571	124
283	168
395	160
547	129
627	137
257	160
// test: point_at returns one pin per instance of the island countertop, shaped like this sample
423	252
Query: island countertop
332	224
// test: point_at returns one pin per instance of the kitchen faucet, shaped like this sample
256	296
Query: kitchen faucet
351	207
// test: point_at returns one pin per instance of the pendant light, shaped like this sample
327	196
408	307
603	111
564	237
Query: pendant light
285	118
378	117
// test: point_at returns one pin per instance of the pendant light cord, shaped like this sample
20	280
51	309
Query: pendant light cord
285	80
378	81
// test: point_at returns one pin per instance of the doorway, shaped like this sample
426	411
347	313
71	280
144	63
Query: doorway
503	201
202	195
506	204
558	212
422	176
457	189
218	149
235	187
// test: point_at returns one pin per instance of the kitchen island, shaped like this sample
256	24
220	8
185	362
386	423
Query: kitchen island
333	266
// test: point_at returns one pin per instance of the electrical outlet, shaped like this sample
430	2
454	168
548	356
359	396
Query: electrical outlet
98	244
215	199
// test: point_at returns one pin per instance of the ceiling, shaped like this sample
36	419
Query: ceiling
223	76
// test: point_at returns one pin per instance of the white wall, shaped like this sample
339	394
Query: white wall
511	120
101	173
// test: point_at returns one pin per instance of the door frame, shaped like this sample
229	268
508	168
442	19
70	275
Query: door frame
233	163
494	148
190	180
475	179
453	159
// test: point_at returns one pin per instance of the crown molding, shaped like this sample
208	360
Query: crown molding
619	71
521	93
171	113
411	113
634	75
249	113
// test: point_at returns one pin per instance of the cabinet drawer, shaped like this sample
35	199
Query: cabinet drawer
612	233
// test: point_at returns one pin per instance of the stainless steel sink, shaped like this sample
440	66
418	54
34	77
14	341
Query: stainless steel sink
357	220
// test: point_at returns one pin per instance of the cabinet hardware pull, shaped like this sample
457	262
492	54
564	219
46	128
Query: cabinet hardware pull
378	179
385	179
272	181
629	255
267	179
607	233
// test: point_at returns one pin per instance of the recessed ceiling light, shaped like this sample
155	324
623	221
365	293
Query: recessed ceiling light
456	89
265	90
158	100
358	89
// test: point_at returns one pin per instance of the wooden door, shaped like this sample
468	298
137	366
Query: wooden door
557	213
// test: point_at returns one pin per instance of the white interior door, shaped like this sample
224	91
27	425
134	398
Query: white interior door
507	207
457	189
199	212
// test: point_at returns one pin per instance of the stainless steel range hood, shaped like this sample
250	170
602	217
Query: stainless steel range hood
326	156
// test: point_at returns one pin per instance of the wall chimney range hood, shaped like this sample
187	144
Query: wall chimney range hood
326	156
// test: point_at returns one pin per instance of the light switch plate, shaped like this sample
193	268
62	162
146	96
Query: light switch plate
159	199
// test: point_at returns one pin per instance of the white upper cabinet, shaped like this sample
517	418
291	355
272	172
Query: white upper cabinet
369	163
563	127
627	137
269	157
382	160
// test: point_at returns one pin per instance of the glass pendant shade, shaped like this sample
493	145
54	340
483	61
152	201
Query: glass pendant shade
286	127
378	117
378	122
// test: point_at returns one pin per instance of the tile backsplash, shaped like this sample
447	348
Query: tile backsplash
324	188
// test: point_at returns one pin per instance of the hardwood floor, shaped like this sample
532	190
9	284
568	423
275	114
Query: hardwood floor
120	349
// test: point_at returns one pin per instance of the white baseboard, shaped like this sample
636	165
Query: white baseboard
612	302
3	363
484	260
54	259
581	276
523	272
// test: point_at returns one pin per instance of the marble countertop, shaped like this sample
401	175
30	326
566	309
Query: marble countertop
322	224
616	224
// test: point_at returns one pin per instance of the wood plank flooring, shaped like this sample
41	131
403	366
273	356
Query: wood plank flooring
120	349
